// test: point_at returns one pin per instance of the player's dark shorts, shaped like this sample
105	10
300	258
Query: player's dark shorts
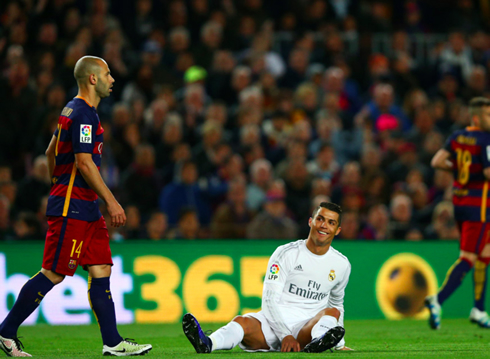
474	236
71	242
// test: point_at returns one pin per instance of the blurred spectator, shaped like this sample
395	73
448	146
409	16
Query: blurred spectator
156	227
231	219
132	229
443	225
5	228
350	225
298	190
260	179
457	55
188	225
377	224
272	222
324	164
401	216
27	227
186	192
141	181
33	188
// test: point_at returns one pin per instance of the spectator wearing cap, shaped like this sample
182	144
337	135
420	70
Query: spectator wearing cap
272	222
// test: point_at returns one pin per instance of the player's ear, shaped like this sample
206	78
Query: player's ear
93	79
338	230
309	222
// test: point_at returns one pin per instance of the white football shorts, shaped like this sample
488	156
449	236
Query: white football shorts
294	321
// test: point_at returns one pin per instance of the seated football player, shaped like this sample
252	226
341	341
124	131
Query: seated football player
302	299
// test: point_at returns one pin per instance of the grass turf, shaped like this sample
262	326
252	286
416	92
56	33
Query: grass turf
369	338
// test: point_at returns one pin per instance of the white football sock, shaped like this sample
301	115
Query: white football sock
227	337
325	323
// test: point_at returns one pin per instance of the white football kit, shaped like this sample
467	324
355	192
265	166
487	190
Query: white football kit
299	284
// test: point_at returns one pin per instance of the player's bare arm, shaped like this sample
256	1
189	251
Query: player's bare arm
486	173
441	160
91	174
51	155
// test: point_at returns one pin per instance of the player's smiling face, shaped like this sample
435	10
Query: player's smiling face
324	227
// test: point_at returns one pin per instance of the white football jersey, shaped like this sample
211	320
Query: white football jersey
299	284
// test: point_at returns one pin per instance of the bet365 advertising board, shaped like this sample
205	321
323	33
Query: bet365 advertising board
157	282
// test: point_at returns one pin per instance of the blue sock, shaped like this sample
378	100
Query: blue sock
480	283
30	296
454	278
100	298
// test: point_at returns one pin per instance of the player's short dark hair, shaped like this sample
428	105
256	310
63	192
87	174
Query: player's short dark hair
476	105
331	207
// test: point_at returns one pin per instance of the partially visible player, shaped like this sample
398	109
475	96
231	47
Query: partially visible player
77	233
467	155
302	299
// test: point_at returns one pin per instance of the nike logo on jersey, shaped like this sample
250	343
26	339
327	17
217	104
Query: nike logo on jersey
299	268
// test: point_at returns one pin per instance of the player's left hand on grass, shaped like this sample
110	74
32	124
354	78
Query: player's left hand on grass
289	344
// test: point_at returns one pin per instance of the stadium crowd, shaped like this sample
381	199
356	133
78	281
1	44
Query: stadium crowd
235	118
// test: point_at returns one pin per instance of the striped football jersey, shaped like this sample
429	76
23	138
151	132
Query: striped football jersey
470	155
78	131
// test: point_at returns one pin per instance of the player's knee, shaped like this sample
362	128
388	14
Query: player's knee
244	323
470	259
334	312
485	260
54	277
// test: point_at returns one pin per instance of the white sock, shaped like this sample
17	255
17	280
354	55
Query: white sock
227	337
325	323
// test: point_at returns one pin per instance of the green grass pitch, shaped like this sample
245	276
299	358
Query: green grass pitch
457	338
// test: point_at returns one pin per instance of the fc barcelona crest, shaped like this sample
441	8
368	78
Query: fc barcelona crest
72	264
331	275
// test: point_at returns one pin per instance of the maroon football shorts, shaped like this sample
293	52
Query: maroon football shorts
474	236
72	242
